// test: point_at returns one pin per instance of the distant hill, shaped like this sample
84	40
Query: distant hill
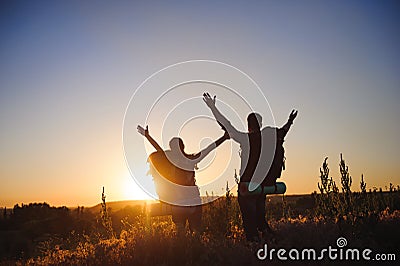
118	205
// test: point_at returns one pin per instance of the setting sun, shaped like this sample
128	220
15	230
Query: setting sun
131	191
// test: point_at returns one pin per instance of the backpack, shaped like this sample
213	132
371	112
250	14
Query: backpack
278	162
173	185
161	167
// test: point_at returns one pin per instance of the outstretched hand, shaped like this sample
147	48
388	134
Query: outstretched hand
226	135
208	100
292	115
142	131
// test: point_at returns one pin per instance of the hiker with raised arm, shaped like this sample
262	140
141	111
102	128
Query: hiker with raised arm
261	163
178	184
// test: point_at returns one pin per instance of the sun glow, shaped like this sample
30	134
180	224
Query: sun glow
131	191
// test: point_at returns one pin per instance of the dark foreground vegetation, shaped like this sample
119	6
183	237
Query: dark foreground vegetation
37	234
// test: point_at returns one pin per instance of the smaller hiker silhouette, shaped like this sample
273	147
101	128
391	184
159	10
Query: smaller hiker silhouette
178	167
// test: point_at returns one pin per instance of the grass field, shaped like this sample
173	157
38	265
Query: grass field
123	233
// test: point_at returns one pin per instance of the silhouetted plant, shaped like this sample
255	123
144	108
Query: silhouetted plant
327	184
327	200
236	177
105	217
363	185
347	206
345	176
228	194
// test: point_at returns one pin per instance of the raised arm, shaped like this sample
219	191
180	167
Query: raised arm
203	153
289	123
145	132
221	119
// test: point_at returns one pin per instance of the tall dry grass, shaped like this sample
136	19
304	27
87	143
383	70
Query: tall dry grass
365	219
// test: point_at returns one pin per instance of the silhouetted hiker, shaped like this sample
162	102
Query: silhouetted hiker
179	167
262	160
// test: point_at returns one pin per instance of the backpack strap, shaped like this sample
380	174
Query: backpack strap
283	163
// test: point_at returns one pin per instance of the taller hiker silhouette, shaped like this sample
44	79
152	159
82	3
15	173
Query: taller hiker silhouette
262	160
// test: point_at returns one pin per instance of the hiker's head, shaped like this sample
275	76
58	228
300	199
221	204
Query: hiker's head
254	122
176	144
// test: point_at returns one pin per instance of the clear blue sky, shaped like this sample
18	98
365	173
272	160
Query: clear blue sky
69	68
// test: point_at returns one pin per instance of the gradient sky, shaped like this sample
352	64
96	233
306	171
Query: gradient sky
69	68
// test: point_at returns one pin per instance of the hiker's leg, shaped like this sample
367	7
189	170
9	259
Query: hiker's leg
260	212
195	218
247	206
179	218
262	223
